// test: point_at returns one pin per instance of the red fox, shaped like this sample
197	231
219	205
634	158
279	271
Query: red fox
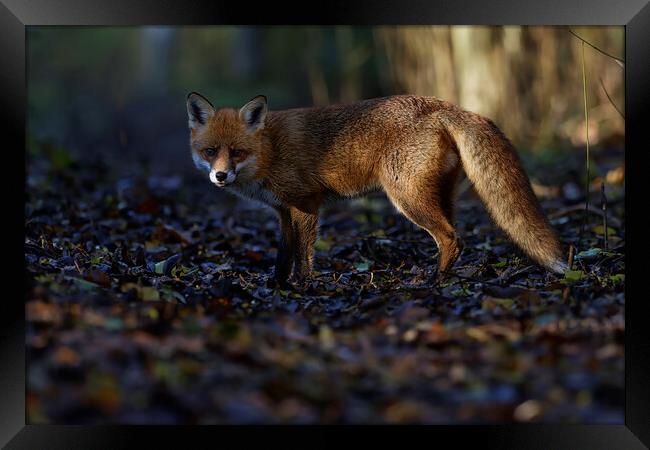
411	147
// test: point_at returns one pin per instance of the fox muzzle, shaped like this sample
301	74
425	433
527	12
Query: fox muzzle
221	178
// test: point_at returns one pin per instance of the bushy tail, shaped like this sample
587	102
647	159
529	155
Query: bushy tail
493	166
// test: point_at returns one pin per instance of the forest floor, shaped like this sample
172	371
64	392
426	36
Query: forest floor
148	301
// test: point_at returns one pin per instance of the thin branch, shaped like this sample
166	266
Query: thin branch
385	238
619	61
564	211
604	202
610	99
452	275
584	93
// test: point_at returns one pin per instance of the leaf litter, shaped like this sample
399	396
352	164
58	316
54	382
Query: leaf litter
150	301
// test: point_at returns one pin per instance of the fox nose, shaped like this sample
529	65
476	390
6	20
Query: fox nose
221	176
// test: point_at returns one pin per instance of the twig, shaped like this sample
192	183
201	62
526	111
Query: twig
604	202
610	99
516	273
371	283
619	61
584	94
476	280
609	259
409	241
592	209
77	266
565	293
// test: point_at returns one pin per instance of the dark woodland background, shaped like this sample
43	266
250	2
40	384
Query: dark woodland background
120	92
148	297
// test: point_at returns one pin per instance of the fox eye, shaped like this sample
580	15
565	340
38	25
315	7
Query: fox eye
236	152
210	152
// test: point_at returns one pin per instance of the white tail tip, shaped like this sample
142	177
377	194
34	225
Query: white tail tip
558	267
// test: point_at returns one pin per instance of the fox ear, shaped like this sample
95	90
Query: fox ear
253	113
199	109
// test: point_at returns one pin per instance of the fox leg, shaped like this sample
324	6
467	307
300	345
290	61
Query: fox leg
305	229
435	220
431	208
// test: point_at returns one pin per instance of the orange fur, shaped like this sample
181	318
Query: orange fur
411	147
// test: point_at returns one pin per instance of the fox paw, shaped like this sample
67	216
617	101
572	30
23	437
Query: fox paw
299	280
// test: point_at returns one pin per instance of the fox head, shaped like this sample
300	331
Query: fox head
226	143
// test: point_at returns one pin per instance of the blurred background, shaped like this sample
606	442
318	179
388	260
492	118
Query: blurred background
118	93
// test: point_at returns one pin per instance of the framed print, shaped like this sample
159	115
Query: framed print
413	217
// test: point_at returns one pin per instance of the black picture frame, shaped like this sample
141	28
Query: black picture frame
15	15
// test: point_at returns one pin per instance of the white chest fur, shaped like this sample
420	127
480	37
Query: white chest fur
255	191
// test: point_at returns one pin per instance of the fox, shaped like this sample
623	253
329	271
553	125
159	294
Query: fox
411	147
